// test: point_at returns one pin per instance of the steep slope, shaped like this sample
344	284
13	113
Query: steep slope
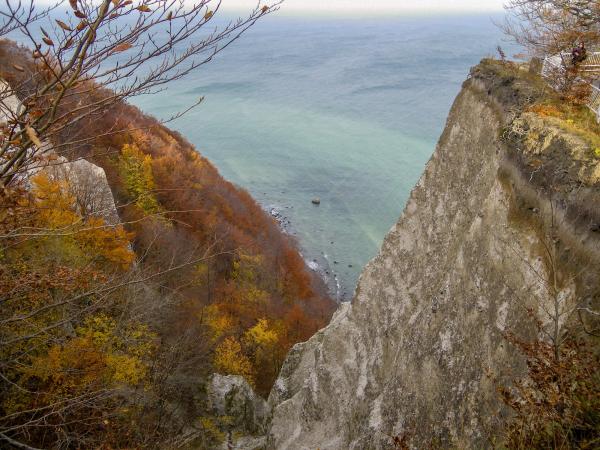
145	272
411	354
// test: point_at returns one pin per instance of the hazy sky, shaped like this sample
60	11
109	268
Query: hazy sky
375	6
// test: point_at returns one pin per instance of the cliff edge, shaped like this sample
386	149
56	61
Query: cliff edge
412	354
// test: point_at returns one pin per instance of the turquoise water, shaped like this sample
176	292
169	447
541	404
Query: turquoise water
345	110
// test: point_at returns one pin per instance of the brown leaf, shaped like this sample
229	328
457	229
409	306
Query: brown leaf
48	41
115	3
122	47
63	25
208	15
264	9
79	14
82	25
69	43
170	15
19	68
113	15
143	8
73	4
37	54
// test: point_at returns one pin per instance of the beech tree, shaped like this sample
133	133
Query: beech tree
106	52
130	316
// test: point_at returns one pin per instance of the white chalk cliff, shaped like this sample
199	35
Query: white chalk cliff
412	352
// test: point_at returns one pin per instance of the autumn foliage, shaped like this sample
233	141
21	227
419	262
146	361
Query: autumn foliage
557	405
110	331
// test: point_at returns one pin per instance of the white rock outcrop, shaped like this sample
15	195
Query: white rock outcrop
232	397
410	355
87	181
88	185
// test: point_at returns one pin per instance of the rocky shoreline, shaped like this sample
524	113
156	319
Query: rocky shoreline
319	263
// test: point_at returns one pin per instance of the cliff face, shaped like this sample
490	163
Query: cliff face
412	352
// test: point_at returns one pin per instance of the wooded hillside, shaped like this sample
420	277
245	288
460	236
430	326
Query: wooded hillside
109	332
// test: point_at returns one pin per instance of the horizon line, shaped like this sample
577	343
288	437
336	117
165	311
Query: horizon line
381	13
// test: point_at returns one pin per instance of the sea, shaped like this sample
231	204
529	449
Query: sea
343	110
346	110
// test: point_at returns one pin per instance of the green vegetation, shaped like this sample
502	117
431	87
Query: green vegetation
576	119
136	168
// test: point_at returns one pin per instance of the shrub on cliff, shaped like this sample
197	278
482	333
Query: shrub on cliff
557	405
559	27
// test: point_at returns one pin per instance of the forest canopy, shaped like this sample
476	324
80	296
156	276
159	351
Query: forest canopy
118	306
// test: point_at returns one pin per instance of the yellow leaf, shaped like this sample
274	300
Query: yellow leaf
33	136
229	359
143	8
208	15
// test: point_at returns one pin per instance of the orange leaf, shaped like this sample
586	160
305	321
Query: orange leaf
122	47
143	8
208	15
63	25
82	25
